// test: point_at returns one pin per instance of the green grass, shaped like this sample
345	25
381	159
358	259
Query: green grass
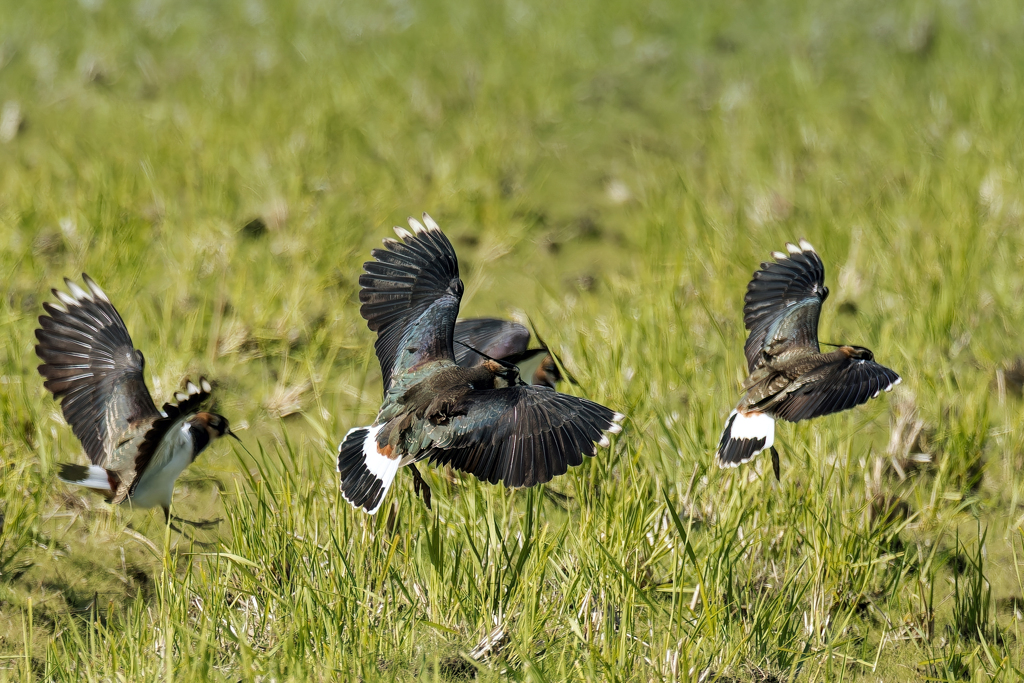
615	171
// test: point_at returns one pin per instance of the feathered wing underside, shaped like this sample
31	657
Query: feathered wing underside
410	297
520	435
175	414
497	338
90	364
782	305
835	387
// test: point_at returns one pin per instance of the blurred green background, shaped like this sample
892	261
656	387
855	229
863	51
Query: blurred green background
614	170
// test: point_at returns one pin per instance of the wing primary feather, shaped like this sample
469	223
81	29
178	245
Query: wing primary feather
101	387
408	281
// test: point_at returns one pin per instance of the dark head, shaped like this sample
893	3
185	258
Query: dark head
206	428
547	373
857	352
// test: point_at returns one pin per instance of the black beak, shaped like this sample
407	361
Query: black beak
232	435
503	363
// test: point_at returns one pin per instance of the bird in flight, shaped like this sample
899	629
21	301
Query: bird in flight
482	420
790	378
477	339
90	364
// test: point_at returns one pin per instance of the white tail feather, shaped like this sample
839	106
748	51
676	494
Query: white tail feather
742	431
95	478
754	426
375	464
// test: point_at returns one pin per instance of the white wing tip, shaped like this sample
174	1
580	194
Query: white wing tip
604	442
205	385
403	233
94	288
779	255
65	298
429	222
805	245
427	225
77	292
792	248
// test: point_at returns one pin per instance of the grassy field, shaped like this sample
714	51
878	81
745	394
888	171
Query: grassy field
615	171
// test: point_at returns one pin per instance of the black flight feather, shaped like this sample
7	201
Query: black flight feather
90	364
782	304
408	279
508	434
836	387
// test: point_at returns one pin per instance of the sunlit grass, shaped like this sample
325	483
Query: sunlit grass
615	171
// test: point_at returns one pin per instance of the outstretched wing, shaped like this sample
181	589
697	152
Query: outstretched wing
89	363
410	297
834	387
501	339
783	301
521	435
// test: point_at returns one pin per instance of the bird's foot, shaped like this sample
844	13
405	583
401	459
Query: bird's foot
419	486
191	538
775	464
196	524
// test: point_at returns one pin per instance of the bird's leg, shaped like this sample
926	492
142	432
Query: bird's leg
419	486
775	464
168	522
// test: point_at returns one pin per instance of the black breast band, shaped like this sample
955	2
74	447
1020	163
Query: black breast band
200	439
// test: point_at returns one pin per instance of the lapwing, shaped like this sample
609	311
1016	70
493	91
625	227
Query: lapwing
477	339
790	378
90	364
482	420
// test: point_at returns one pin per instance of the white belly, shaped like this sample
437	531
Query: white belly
172	456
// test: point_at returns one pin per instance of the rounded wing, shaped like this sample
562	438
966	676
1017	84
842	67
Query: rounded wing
499	339
90	364
834	387
410	297
521	435
782	304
